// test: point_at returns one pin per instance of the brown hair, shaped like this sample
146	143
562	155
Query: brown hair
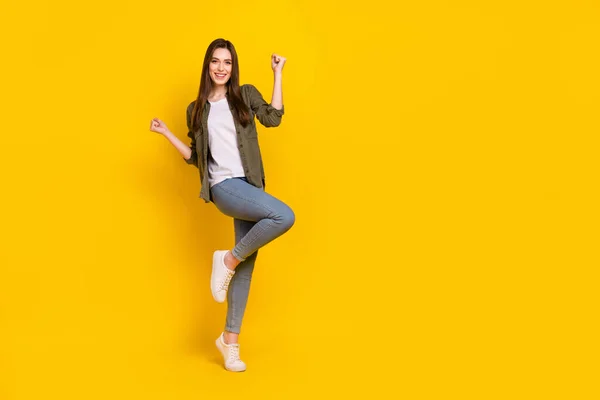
234	95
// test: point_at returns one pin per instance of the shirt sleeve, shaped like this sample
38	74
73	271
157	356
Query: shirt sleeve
267	115
194	157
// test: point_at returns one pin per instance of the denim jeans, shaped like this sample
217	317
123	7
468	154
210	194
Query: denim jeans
258	218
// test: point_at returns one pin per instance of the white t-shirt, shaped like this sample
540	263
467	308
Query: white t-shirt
224	161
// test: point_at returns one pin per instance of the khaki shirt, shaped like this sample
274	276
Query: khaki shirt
247	139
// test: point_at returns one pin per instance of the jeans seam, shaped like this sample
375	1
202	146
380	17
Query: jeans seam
253	239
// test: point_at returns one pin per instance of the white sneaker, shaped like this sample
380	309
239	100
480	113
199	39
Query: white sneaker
231	355
220	277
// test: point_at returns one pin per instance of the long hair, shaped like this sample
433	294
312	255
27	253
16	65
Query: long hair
234	95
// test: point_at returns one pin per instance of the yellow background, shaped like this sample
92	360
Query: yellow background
441	157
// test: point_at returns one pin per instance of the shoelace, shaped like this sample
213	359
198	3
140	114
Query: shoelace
225	283
234	353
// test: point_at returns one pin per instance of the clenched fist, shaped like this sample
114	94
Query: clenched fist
156	125
277	62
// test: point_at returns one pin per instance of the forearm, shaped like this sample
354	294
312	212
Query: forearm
183	148
277	98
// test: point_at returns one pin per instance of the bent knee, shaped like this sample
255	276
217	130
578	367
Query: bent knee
287	218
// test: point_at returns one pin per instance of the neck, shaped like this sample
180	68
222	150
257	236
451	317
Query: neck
219	90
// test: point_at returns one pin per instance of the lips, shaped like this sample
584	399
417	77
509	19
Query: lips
220	76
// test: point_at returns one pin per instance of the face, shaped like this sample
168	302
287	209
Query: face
220	66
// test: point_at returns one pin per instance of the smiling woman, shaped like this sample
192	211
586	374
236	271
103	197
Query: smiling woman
225	149
220	66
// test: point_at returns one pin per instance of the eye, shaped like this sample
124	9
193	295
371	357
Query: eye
228	62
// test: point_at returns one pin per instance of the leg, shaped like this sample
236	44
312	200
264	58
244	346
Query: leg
240	200
239	288
259	218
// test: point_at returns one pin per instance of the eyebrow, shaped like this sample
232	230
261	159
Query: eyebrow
227	59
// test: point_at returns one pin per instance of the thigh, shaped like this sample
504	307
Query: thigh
239	199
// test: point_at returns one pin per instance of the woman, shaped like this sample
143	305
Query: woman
224	147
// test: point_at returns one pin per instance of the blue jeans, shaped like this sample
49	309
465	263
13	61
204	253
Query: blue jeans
258	218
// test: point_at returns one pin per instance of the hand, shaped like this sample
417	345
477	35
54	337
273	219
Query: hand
277	62
156	125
